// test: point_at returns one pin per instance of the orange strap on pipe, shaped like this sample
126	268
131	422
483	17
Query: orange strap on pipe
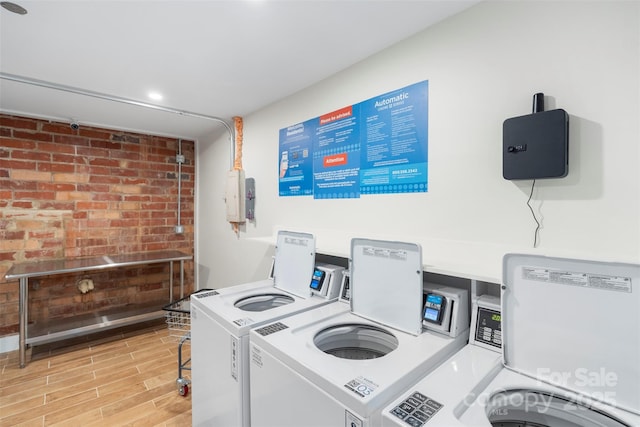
237	162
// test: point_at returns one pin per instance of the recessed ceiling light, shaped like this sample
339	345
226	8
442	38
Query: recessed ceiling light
156	96
12	7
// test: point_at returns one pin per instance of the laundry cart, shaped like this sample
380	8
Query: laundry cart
178	317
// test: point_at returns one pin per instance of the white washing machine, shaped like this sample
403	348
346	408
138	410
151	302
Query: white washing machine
221	320
331	367
444	391
571	353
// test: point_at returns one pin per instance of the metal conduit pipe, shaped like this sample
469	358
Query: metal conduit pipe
180	160
99	95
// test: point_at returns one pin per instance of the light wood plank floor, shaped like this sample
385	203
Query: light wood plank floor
121	378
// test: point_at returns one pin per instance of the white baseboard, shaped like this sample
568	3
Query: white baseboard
9	343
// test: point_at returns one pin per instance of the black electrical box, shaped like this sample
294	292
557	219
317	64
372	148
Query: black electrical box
536	145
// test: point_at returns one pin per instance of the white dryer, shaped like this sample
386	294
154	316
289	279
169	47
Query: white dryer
221	320
331	367
571	352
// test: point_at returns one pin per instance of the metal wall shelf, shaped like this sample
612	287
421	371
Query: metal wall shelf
84	324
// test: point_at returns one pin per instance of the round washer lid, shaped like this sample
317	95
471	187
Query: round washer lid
386	283
356	341
263	302
531	408
294	262
574	324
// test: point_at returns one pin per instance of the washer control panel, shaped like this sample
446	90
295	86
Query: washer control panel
445	309
317	280
416	409
326	280
345	288
488	327
434	308
486	322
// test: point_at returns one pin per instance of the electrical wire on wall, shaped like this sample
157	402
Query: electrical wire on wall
179	160
535	233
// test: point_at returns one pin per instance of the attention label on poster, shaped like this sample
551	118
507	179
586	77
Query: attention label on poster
374	147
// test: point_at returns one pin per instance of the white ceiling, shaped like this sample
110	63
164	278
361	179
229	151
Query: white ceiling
214	58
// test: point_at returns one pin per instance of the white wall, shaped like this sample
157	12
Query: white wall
483	67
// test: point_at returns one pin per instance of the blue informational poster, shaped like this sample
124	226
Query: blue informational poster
295	167
394	152
373	147
336	156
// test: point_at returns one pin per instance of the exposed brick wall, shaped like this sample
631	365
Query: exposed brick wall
89	192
